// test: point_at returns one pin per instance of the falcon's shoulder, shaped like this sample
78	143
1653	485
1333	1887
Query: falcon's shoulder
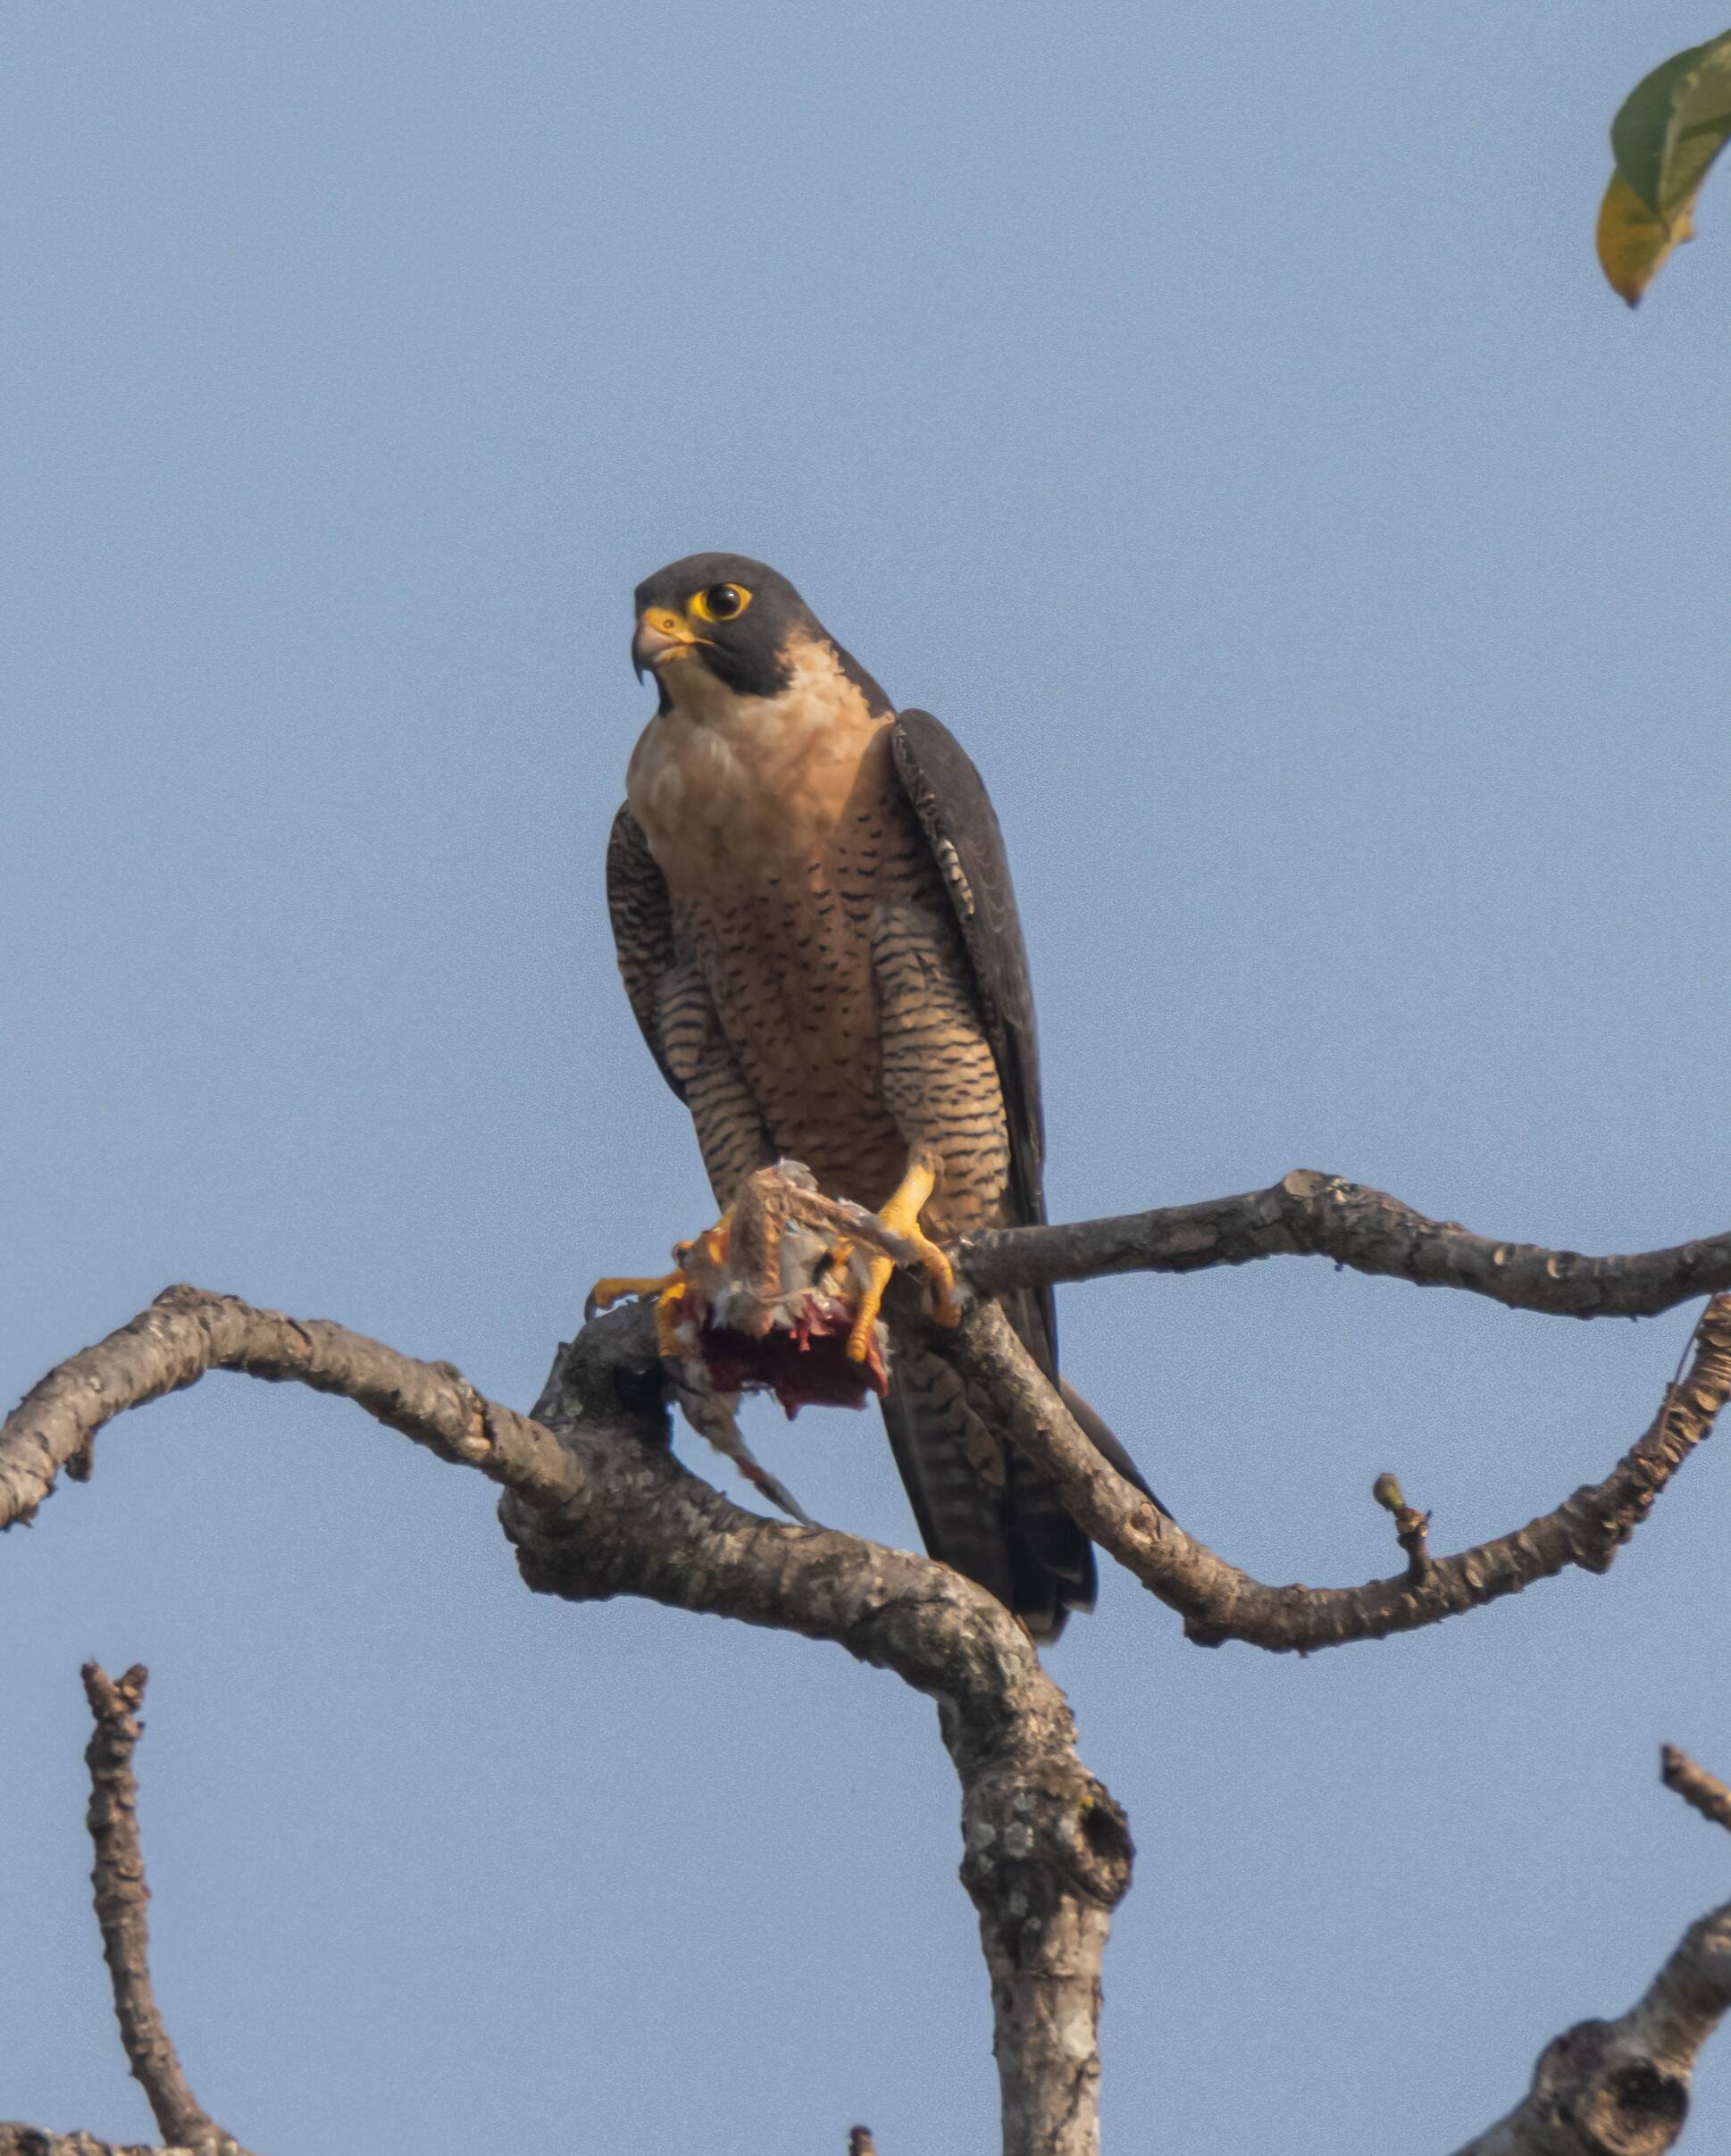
949	797
641	908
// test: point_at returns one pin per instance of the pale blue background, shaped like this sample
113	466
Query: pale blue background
1216	414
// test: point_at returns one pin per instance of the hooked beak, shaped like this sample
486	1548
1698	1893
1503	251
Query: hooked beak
662	637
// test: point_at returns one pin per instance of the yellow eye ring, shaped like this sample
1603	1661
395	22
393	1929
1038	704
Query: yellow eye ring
720	602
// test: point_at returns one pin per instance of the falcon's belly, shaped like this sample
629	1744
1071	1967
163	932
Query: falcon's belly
783	834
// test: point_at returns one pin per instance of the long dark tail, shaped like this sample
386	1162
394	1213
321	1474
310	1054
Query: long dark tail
980	1507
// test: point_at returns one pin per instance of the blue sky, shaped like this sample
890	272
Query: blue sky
1217	416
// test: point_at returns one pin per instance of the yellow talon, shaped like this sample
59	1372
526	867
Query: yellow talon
606	1292
668	1290
901	1215
940	1274
667	1316
859	1334
833	1274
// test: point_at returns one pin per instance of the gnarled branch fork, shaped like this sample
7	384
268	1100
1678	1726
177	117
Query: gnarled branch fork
1621	2088
596	1506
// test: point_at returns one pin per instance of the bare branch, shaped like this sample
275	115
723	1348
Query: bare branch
186	1333
1621	2088
597	1507
1307	1213
122	1899
1220	1602
1312	1214
1705	1793
16	2140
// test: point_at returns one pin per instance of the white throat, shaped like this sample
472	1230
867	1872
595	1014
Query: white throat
749	776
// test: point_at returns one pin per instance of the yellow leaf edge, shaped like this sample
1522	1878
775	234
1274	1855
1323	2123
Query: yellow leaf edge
1633	245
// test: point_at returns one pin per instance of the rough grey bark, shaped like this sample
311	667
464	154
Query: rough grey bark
1308	1214
186	1333
121	1898
16	2140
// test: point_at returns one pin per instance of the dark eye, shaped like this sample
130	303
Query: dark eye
721	603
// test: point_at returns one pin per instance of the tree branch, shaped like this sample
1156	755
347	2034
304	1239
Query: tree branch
121	1898
1705	1793
16	2140
1218	1602
187	1331
1307	1213
1311	1215
1046	1852
1621	2088
596	1506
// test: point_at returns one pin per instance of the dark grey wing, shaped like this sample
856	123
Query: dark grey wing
642	912
950	799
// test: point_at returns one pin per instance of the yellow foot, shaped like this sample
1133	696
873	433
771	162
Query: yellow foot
669	1289
901	1215
616	1287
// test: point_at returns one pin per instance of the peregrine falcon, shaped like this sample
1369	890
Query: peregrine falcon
814	923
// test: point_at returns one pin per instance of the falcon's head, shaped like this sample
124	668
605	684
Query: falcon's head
723	620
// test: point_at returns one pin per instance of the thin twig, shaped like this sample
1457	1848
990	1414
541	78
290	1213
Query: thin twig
1705	1793
1412	1526
121	1898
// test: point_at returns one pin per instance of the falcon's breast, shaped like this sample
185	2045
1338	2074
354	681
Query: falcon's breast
781	828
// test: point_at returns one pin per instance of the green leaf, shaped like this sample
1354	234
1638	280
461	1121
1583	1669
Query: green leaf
1672	126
